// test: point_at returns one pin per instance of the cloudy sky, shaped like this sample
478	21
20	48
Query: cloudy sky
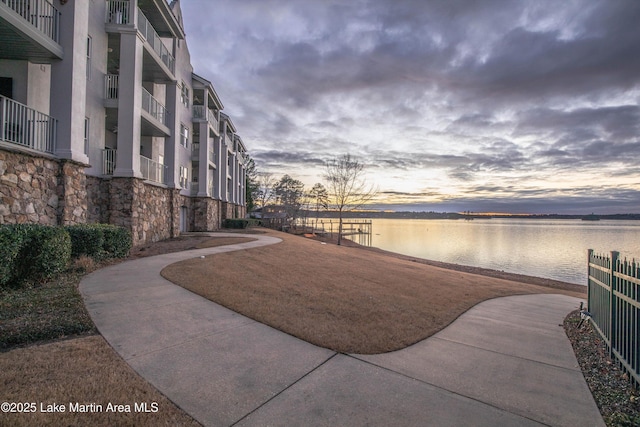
494	106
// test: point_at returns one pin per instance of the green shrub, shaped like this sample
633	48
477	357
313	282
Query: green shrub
117	240
10	243
236	223
86	239
42	252
45	253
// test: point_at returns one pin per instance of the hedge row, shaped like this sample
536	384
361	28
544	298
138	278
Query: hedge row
99	241
241	223
38	252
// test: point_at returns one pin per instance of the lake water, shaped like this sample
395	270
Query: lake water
555	249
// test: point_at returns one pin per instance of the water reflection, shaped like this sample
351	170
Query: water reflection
555	249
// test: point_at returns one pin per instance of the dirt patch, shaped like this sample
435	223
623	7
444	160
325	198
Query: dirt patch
84	371
345	298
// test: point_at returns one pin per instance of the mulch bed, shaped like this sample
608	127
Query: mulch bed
618	400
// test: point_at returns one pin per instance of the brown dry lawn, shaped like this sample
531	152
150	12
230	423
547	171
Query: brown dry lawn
348	299
83	370
87	370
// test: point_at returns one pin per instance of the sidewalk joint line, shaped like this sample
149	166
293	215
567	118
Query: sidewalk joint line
285	389
447	390
505	354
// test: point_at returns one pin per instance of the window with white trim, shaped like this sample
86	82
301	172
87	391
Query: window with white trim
184	136
86	135
89	50
184	177
184	94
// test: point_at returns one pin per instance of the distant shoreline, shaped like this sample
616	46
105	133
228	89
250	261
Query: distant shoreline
311	215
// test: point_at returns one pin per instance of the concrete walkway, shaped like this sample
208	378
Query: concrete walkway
506	362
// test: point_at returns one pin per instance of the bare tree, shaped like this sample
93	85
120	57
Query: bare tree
264	193
346	186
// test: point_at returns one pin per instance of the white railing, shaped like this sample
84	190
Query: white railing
26	127
153	107
111	86
39	13
212	156
152	170
202	113
117	12
149	33
108	161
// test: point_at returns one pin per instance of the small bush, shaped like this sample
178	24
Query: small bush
45	253
236	223
86	239
117	240
10	244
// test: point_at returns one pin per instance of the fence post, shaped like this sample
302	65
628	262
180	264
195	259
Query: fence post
613	326
589	255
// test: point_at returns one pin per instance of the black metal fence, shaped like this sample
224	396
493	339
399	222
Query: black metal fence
614	304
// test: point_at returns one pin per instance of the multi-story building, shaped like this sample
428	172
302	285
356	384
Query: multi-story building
102	119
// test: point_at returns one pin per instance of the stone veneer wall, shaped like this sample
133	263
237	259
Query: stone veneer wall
151	212
98	199
39	189
206	213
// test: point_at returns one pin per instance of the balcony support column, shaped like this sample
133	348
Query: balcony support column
203	158
172	142
69	83
129	106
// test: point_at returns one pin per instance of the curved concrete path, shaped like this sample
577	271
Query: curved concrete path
505	362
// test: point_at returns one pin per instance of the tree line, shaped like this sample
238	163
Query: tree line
344	189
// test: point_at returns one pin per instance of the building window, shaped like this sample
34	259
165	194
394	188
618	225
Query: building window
184	95
184	136
89	49
184	177
86	135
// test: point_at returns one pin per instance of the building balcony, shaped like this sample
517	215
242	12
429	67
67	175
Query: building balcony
155	115
202	113
108	161
30	30
156	119
26	127
212	157
111	86
152	37
195	151
118	12
152	170
119	17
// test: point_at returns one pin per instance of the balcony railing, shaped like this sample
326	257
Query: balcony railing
149	33
153	107
117	12
195	151
108	161
195	187
202	113
212	156
26	127
39	13
152	170
111	86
